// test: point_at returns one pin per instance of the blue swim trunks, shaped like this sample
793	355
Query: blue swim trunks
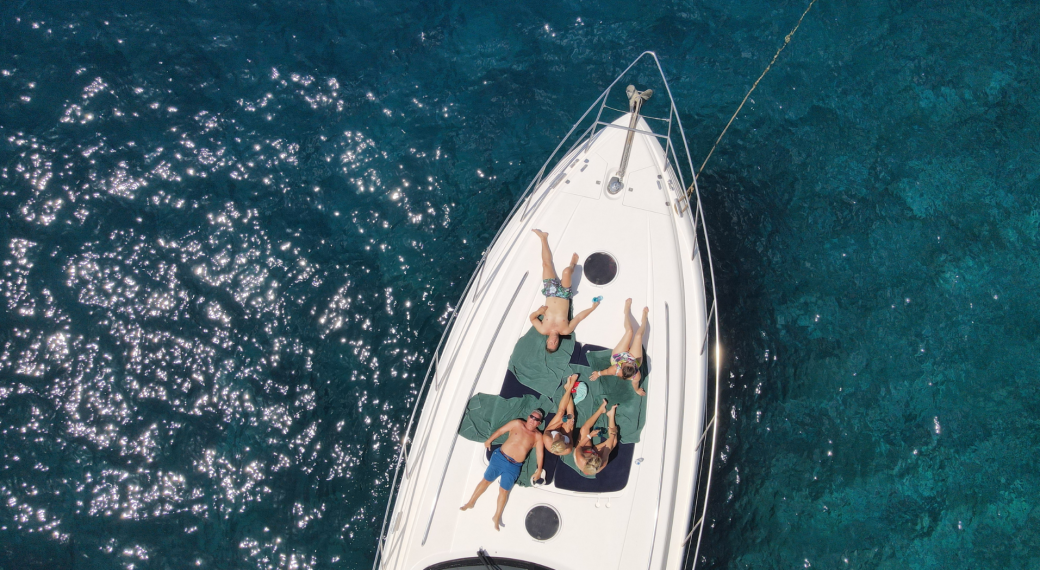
553	288
502	464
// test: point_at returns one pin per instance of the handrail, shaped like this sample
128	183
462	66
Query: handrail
476	378
711	322
527	200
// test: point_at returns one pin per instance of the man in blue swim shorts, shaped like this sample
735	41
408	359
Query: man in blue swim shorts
558	292
507	460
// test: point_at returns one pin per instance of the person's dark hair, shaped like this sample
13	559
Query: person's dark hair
628	371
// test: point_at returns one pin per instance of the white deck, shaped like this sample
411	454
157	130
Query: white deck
643	525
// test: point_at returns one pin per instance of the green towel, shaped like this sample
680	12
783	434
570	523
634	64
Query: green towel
544	372
630	415
598	359
537	368
631	412
488	412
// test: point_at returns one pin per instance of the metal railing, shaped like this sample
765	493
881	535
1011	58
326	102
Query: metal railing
682	203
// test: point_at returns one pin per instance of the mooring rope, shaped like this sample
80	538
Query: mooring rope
787	40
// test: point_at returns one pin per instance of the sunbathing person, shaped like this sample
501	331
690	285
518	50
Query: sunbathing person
591	458
558	295
559	434
628	354
507	460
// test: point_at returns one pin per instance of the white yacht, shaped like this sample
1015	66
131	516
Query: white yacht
618	196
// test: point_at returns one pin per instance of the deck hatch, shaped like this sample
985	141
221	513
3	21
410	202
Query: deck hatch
600	268
542	522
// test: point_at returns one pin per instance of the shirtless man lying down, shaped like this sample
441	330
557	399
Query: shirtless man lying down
507	460
558	295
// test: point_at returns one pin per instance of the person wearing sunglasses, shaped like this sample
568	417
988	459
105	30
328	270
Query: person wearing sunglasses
506	461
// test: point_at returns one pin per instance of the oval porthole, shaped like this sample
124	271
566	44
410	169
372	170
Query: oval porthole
542	522
600	268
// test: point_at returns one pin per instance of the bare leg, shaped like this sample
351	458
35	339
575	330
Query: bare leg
587	428
612	440
565	281
481	487
548	270
503	496
626	340
566	405
574	415
636	348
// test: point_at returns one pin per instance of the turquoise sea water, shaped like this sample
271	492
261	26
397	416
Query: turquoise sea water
231	234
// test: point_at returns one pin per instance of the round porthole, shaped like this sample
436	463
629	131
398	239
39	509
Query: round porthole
600	268
543	522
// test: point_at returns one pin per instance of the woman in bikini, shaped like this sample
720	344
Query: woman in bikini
559	434
628	354
592	458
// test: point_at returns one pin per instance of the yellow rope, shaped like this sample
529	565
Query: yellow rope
787	40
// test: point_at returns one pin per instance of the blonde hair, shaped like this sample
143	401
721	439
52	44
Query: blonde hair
558	446
592	464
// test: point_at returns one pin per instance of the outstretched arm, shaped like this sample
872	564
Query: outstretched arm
604	449
569	424
635	383
612	438
586	429
579	317
537	323
608	371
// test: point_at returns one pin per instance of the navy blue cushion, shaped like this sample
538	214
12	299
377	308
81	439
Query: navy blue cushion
512	388
579	356
613	478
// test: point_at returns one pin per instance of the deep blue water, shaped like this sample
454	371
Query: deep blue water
232	233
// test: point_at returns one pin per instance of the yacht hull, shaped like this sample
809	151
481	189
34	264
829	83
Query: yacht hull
650	230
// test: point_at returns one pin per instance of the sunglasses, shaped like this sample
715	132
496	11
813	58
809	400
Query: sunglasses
534	417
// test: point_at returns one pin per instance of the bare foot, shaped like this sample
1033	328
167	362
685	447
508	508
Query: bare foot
603	406
466	507
541	234
570	382
628	306
613	410
574	260
497	522
646	311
